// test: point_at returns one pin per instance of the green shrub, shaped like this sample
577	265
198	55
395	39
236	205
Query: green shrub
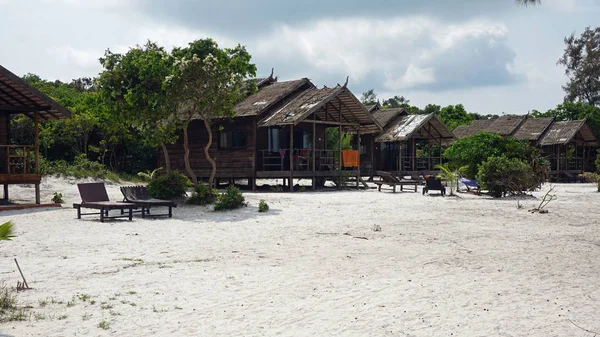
472	151
169	186
57	198
203	196
232	198
597	161
262	206
502	175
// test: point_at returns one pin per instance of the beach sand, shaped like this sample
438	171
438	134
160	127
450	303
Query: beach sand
312	266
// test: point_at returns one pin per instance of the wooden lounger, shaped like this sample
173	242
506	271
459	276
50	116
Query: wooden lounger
94	196
139	196
390	180
433	184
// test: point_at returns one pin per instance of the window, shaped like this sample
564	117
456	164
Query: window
273	139
234	139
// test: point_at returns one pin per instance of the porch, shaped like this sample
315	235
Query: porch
19	164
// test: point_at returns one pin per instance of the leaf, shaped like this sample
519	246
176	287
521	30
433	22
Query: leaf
6	231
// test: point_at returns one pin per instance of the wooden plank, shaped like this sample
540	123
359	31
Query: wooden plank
328	123
20	179
291	157
37	144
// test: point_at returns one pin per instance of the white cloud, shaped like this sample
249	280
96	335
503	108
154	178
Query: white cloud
403	51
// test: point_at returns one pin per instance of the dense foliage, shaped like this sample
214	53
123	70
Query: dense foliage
500	175
232	198
501	165
169	186
203	195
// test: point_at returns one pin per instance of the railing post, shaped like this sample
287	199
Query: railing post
37	143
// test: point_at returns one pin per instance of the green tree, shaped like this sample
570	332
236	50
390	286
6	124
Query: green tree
207	82
396	102
132	85
369	97
454	115
568	111
581	60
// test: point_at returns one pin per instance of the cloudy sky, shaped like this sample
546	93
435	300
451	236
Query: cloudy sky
492	56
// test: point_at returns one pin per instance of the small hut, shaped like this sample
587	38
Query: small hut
569	146
408	143
280	132
20	163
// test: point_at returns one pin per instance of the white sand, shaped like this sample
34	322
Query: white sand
471	266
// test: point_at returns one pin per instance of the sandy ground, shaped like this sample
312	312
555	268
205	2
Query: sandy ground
313	266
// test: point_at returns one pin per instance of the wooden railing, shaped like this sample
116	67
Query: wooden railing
17	159
566	164
302	160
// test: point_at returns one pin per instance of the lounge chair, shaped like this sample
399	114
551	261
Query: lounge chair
433	184
390	180
470	184
93	195
139	196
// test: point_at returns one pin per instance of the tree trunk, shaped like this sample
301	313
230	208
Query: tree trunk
167	161
213	172
186	156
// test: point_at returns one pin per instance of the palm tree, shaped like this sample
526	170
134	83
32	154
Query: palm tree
450	176
6	231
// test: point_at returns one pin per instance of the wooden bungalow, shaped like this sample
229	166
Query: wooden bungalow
19	163
279	132
408	144
570	147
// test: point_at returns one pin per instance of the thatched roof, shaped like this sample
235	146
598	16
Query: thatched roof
405	126
564	132
533	128
479	125
373	107
505	125
458	132
269	95
327	105
384	116
17	96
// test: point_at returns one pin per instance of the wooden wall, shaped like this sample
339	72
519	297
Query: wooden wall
4	140
230	162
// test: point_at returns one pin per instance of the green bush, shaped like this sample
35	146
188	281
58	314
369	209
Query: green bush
592	177
232	198
57	198
472	151
169	186
262	206
203	196
501	175
597	161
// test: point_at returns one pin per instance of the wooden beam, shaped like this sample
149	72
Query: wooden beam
11	108
314	151
329	123
358	140
254	152
291	157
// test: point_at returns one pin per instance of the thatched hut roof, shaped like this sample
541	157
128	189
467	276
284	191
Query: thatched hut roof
561	133
476	127
458	132
505	125
533	128
269	95
327	105
405	126
384	116
373	107
17	96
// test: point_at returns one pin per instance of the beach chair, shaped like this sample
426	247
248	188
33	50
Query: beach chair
139	196
470	184
94	196
390	180
433	184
